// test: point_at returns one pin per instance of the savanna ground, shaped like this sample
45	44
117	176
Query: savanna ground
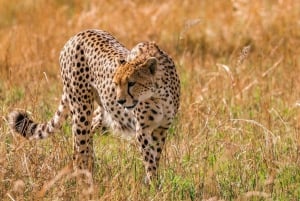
236	136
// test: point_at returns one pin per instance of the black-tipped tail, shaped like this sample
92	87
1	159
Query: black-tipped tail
20	123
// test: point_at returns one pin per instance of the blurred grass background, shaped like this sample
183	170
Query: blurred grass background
236	136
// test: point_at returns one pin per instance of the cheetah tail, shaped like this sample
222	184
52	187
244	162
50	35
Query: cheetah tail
20	122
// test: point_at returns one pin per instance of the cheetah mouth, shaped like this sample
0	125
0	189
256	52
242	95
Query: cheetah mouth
132	106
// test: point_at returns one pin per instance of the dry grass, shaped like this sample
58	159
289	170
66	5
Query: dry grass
236	136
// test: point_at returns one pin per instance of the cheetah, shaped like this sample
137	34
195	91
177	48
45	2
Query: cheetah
136	92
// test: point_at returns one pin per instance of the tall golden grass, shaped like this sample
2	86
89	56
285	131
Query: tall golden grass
237	133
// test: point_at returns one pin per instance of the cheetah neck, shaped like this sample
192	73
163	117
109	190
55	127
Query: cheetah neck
158	85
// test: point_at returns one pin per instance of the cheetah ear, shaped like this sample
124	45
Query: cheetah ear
151	64
120	61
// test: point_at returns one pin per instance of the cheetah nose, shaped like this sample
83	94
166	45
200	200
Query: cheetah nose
121	101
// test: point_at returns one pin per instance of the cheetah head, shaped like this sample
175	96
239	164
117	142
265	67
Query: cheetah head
134	80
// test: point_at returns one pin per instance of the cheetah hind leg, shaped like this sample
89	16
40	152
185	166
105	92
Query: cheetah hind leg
82	115
97	122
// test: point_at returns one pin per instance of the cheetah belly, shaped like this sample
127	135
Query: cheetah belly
124	128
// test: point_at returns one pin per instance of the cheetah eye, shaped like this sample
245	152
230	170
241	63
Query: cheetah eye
130	84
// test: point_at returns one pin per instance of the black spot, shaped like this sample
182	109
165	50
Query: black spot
82	142
40	134
151	118
78	64
83	132
145	142
153	111
82	119
154	138
33	128
78	132
146	126
158	150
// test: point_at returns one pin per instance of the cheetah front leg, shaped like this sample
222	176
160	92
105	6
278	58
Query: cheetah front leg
151	145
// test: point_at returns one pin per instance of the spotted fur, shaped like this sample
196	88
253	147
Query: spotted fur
137	93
